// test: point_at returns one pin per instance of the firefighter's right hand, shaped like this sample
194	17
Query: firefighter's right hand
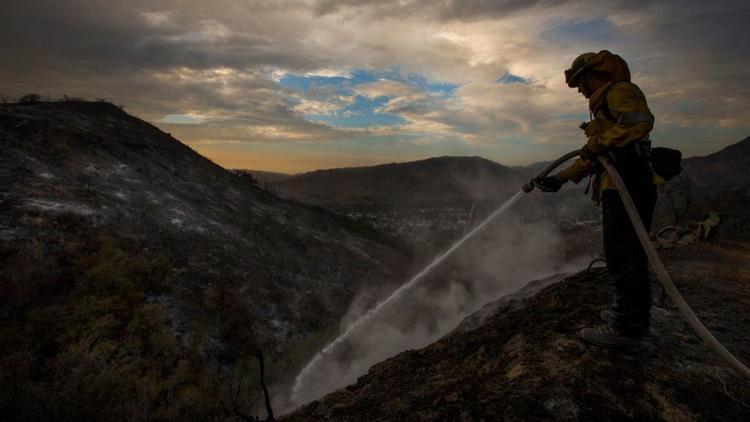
549	183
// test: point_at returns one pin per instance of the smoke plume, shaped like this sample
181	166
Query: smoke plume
501	259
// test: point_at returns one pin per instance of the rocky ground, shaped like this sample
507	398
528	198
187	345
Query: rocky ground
520	358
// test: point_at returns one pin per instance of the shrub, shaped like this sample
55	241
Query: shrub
30	99
79	340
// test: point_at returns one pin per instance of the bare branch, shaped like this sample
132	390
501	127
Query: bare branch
266	396
726	392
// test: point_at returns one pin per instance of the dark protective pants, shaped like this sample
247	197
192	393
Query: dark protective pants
626	261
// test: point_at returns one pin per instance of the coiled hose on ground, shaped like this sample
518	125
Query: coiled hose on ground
658	267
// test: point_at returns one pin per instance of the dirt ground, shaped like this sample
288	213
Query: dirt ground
524	361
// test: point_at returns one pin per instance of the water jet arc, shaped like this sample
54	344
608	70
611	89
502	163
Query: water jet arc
662	275
398	292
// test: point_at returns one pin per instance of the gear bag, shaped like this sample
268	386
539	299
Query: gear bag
666	162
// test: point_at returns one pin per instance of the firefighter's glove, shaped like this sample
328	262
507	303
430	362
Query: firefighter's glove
549	183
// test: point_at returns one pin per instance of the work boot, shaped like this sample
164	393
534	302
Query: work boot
607	336
607	316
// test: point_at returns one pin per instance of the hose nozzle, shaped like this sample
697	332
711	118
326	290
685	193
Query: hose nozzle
528	187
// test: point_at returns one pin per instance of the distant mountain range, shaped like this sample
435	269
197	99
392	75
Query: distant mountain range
429	202
728	169
446	180
265	177
440	180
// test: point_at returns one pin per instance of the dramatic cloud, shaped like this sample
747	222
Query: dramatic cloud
380	80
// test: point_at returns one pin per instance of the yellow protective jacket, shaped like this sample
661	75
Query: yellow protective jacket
627	121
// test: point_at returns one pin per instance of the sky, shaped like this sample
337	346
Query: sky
294	86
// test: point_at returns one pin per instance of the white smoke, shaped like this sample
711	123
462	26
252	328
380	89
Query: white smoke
501	259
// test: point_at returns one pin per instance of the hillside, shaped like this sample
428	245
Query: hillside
520	359
728	169
440	180
716	183
108	224
265	177
429	203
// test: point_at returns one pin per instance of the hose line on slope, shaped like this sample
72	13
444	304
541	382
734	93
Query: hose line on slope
664	278
653	257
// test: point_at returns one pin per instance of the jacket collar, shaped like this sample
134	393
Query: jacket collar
598	98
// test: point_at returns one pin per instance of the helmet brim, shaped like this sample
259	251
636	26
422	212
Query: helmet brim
571	78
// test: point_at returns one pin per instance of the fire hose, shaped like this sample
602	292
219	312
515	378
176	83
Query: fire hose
663	276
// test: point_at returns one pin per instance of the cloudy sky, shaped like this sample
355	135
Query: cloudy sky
292	86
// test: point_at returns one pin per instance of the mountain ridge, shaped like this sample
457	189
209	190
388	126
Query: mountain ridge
726	169
728	165
433	180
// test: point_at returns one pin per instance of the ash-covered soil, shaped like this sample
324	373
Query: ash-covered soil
520	358
73	170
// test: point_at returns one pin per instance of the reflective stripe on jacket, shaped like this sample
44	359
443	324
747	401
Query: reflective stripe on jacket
629	120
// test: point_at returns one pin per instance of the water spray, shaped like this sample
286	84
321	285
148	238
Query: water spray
313	363
298	382
662	275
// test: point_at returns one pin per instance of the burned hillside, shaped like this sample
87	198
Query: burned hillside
520	358
120	241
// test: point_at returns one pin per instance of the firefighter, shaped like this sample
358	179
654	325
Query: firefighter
619	129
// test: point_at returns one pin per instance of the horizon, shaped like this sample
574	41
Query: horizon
293	87
418	159
451	156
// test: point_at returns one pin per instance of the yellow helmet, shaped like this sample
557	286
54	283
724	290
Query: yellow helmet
580	64
605	62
